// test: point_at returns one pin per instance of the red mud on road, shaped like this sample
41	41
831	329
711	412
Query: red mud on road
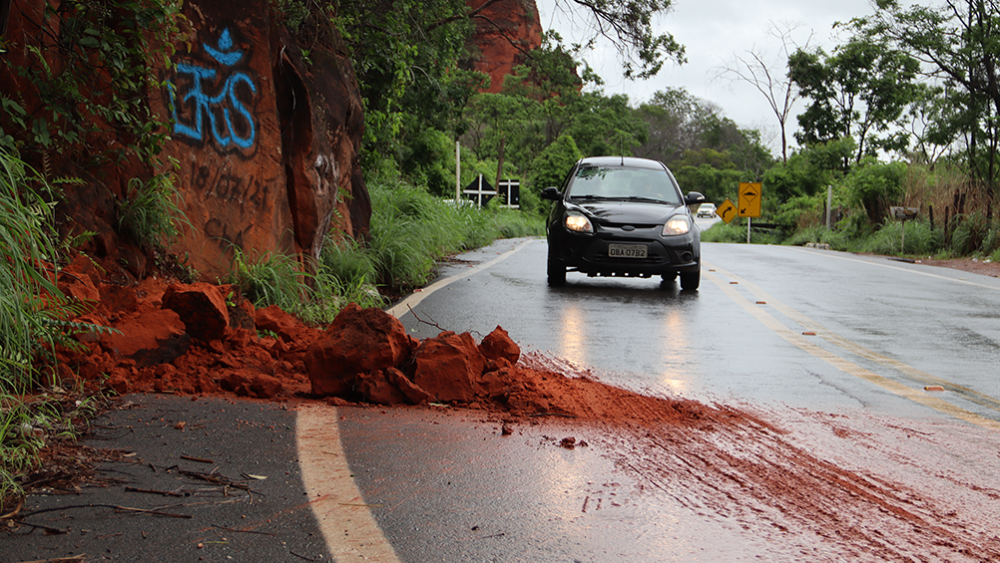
815	486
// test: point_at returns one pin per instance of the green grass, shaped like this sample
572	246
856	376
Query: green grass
29	323
151	212
410	231
737	233
917	240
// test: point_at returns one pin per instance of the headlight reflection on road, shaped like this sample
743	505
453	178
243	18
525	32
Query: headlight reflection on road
572	337
676	357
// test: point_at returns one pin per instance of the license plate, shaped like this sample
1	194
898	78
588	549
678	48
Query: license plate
627	250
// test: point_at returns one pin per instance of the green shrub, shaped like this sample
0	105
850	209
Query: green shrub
150	210
919	239
971	233
875	186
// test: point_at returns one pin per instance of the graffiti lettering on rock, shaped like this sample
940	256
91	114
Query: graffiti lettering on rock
200	102
229	185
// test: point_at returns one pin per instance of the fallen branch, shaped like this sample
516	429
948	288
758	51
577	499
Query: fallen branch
154	492
71	559
215	480
13	513
48	529
243	531
111	506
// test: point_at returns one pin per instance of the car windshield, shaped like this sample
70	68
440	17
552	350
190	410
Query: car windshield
617	183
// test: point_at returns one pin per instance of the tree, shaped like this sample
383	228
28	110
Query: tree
957	42
934	122
779	90
674	119
709	172
809	170
554	163
628	25
679	123
860	91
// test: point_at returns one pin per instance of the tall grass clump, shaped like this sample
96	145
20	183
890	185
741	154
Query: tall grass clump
271	278
919	239
725	232
25	247
971	233
349	271
821	235
411	229
150	213
27	320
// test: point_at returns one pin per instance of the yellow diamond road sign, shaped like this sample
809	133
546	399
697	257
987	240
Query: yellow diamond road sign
749	200
726	211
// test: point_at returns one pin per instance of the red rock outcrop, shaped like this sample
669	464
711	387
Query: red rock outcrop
504	31
267	143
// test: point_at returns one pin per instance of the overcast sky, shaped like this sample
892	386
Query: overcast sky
714	32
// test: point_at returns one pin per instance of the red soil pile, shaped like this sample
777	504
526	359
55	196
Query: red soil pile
204	339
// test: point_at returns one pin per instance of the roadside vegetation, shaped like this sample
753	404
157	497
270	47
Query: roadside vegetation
902	114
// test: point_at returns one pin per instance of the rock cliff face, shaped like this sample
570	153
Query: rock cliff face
505	30
267	142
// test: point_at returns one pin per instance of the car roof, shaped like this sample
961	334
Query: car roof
626	161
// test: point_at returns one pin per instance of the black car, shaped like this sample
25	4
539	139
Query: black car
622	216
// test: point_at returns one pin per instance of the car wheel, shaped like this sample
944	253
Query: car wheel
557	274
690	280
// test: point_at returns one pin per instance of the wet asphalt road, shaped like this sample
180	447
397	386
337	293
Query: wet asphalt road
810	329
939	324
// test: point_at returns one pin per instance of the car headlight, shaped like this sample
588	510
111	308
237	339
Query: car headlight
578	222
677	226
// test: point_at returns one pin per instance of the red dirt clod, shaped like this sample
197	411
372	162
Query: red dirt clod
448	367
359	341
201	306
498	344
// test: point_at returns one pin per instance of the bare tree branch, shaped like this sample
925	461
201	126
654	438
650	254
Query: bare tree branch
769	78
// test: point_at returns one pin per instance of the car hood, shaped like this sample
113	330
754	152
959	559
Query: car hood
630	212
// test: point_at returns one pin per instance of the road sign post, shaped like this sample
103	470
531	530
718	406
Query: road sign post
904	214
749	202
726	211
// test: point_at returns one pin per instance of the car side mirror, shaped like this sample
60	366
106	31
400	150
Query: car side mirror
693	200
551	193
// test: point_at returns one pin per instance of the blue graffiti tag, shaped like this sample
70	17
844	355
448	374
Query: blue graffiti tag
223	130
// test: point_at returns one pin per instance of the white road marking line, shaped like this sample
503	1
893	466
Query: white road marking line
403	307
349	529
910	270
348	526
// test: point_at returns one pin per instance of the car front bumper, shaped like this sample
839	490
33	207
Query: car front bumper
588	253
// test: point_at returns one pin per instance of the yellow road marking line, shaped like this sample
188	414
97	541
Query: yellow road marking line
833	338
840	363
349	529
